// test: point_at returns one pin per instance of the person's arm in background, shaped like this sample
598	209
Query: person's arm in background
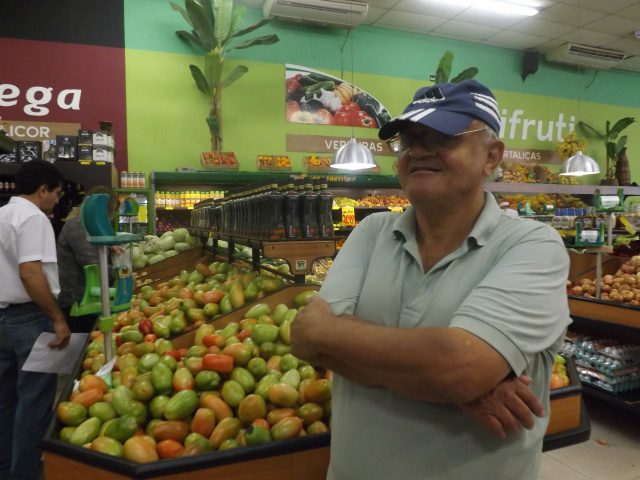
36	285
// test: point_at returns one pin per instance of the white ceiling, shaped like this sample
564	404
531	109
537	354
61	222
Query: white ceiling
599	23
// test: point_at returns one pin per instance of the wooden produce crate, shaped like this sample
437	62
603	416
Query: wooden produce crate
565	403
170	267
273	163
304	457
584	266
219	161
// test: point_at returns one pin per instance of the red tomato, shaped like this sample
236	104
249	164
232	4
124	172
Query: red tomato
342	118
169	448
217	363
324	116
145	326
353	105
150	337
365	121
173	353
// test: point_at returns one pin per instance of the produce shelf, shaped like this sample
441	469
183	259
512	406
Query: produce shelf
301	457
299	253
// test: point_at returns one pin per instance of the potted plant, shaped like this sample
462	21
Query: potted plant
214	27
613	148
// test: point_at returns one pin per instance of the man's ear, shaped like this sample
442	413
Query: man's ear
495	152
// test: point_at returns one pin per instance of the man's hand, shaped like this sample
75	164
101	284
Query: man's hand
64	334
509	404
315	314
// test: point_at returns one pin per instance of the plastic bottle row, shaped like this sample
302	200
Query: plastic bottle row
271	209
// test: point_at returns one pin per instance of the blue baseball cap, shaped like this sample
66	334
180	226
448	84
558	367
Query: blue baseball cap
448	108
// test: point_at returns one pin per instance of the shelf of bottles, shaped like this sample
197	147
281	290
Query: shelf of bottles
289	219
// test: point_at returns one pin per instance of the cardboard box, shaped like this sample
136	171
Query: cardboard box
85	137
103	154
66	147
85	152
102	139
28	150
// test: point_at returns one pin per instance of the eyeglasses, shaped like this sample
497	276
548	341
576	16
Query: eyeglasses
433	139
60	194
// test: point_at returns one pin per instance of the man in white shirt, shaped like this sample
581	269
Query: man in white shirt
28	307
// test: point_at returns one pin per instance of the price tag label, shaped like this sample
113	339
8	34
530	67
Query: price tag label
142	214
348	216
396	209
85	162
168	208
101	163
627	225
189	207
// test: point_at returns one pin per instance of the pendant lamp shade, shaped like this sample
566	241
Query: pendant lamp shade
579	165
353	156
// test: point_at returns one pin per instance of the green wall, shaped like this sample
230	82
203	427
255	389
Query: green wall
165	111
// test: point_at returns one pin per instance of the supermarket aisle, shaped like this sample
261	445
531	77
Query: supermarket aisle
612	452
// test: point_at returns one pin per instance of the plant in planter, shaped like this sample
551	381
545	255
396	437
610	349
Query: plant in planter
444	70
613	148
215	24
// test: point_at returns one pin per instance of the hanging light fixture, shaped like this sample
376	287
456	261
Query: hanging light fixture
580	164
353	155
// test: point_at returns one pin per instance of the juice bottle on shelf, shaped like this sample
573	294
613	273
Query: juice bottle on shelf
129	180
308	213
275	206
291	211
123	179
136	180
142	181
325	210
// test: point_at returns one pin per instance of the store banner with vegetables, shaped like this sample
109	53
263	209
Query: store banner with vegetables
313	96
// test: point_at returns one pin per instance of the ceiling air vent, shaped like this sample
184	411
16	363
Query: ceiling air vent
586	56
331	13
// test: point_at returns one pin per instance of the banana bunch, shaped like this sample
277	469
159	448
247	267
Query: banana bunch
344	202
345	92
315	161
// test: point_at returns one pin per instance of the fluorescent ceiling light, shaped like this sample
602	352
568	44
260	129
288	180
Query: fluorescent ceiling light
516	7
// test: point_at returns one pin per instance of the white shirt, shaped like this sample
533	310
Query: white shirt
26	235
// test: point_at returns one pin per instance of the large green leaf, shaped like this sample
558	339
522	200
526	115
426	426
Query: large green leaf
190	37
622	141
465	75
207	6
444	67
224	13
204	30
253	27
620	126
266	40
182	11
239	71
237	16
201	82
213	68
611	150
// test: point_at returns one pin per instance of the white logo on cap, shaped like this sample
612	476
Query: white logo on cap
430	96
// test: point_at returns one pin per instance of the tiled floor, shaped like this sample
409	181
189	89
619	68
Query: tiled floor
611	453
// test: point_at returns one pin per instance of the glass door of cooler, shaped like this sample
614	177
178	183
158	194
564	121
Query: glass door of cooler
140	223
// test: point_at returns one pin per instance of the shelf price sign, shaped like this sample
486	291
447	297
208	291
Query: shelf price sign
396	209
348	216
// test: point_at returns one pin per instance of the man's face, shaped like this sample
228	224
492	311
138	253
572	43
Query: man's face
49	198
440	166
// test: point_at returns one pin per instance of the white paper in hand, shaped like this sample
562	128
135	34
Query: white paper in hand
45	359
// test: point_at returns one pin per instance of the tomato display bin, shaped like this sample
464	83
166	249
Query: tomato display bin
302	457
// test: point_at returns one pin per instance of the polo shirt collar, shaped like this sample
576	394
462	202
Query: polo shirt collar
24	201
405	225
